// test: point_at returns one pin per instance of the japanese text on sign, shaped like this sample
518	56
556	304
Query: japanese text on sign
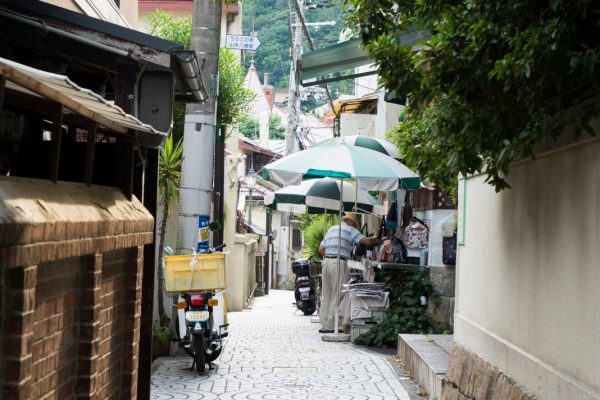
240	42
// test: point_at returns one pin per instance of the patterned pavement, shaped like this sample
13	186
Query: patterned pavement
275	353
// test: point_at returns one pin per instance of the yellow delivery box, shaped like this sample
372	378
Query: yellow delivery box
188	273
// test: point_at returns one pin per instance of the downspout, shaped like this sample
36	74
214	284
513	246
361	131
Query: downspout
136	112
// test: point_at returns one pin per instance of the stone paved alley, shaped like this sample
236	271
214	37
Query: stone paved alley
274	353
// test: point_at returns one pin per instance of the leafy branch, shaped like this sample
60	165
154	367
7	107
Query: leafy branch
494	83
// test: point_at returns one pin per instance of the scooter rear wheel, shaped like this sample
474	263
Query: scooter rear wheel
199	352
309	307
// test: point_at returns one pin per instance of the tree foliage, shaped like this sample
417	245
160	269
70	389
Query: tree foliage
234	97
270	20
313	230
495	81
169	27
249	127
169	180
276	128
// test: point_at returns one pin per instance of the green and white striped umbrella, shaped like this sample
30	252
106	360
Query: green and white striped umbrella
318	196
380	145
373	170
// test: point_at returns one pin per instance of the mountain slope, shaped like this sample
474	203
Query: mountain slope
270	19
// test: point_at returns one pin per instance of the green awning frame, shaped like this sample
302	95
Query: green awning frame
319	66
315	65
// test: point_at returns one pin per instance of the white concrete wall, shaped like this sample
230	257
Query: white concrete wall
388	115
365	84
357	124
440	223
528	277
241	274
276	224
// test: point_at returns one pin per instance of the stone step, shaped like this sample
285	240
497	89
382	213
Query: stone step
426	356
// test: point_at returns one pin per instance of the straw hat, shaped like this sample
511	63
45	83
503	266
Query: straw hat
352	218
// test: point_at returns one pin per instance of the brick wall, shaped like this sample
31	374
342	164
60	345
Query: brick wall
56	329
113	320
83	319
70	304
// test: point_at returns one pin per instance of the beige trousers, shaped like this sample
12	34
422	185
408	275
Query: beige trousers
333	276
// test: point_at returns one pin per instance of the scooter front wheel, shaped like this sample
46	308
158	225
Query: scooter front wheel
199	352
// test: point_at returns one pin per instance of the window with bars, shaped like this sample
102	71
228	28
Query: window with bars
296	239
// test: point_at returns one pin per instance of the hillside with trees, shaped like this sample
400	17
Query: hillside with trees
270	20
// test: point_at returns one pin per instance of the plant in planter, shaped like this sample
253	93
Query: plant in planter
160	341
406	313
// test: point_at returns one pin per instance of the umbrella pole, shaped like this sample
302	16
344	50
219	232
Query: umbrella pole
356	198
336	320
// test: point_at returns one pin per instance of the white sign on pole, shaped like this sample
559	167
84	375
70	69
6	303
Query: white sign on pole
241	42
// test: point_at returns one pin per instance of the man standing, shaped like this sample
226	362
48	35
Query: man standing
334	275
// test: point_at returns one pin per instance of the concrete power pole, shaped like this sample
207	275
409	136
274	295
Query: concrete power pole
293	119
291	142
199	133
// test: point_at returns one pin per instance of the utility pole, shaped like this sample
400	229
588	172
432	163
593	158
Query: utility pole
291	140
199	134
293	119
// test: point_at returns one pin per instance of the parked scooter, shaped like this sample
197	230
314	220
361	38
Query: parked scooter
304	287
200	339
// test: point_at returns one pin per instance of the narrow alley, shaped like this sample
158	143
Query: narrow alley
273	353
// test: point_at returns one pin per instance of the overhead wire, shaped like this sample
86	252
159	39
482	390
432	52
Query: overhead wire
310	43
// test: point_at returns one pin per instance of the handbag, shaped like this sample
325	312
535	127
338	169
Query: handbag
416	234
449	250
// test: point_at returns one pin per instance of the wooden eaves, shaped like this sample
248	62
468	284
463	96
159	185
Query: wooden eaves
59	100
25	81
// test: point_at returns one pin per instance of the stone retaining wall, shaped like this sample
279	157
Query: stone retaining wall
441	306
470	377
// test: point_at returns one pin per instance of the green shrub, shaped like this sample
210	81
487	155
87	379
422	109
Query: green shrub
314	229
405	314
162	334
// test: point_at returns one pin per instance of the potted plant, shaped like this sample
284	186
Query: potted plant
160	341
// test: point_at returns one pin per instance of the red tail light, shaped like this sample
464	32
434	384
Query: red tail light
197	300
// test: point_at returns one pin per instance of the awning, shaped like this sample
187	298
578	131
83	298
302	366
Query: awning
357	105
315	66
327	64
252	228
24	80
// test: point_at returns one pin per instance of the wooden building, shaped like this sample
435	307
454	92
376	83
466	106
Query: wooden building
84	107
